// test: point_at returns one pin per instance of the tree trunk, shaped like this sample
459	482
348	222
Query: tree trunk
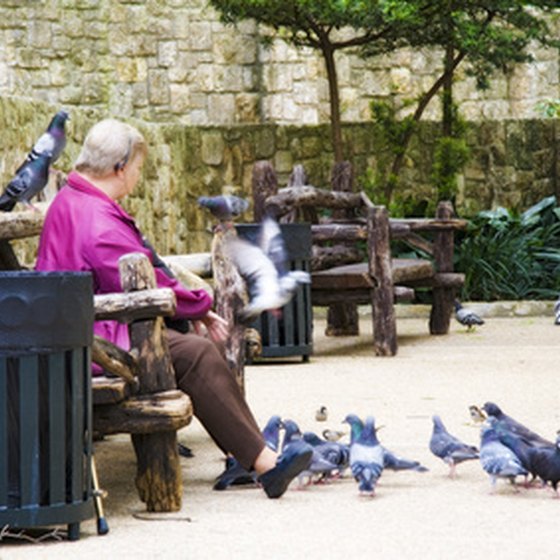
265	184
336	125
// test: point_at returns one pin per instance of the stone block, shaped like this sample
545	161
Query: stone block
167	53
179	98
158	87
212	149
247	108
221	108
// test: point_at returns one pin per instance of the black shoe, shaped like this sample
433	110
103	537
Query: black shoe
295	459
234	475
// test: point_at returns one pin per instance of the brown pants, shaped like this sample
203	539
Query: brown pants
218	403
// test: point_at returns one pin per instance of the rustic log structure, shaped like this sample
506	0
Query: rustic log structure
230	297
348	276
138	394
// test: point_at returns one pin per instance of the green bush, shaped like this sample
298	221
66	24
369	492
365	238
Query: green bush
511	257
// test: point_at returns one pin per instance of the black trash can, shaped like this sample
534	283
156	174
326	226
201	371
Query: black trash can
291	332
46	332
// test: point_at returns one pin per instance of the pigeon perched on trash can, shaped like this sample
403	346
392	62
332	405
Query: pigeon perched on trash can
30	179
467	317
448	448
224	207
264	267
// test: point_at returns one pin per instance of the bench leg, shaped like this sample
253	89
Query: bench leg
442	308
342	320
158	477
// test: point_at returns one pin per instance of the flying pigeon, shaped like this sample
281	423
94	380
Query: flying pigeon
498	460
52	142
466	317
224	207
236	475
271	285
30	179
511	425
557	312
366	458
546	464
448	448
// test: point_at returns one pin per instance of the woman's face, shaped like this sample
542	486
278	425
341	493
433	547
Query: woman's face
131	173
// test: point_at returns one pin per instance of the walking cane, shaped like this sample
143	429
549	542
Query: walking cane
98	495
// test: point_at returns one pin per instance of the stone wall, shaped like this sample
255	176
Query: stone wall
172	60
514	164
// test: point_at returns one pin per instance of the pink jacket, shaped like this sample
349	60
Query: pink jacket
85	230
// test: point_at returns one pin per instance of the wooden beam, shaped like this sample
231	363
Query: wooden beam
135	306
17	225
114	360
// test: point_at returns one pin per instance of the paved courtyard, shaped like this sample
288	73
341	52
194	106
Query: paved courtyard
512	361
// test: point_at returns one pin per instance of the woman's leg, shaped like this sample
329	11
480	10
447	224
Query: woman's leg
218	403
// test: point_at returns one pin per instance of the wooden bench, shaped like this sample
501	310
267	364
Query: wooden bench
140	397
343	276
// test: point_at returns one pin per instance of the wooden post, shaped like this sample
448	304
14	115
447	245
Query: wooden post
8	259
442	306
379	259
265	184
230	297
342	318
158	477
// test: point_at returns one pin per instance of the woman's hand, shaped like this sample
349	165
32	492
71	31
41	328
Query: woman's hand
216	326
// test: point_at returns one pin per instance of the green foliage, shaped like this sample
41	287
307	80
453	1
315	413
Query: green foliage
549	108
512	257
450	156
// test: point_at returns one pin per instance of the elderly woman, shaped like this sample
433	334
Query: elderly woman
87	230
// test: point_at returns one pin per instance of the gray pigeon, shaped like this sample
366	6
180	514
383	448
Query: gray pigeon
557	312
271	285
498	460
336	455
448	448
52	142
466	317
236	475
224	207
366	458
515	427
30	179
546	464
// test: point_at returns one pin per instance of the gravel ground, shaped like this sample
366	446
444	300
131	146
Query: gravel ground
511	361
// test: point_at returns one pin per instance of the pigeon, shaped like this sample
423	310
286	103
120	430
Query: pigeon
30	179
466	317
356	426
335	453
511	425
291	433
546	464
557	312
366	458
271	285
448	448
236	475
321	415
224	207
52	142
498	460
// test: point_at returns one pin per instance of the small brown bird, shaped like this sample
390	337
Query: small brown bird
332	435
477	414
321	415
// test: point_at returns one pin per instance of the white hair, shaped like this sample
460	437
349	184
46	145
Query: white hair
109	146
